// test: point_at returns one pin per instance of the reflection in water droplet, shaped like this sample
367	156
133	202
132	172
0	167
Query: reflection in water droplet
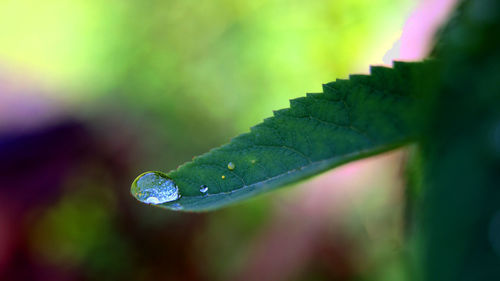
152	200
203	189
223	177
230	166
154	188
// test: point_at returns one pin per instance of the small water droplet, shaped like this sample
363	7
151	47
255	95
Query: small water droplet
253	161
154	188
223	177
203	189
231	166
176	206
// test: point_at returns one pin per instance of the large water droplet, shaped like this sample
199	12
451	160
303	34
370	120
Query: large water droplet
203	189
231	166
154	188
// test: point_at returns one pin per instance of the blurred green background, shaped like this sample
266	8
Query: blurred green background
94	92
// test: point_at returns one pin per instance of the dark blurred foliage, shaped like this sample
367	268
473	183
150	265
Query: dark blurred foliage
457	220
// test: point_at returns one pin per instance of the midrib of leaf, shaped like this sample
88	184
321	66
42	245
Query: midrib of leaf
351	119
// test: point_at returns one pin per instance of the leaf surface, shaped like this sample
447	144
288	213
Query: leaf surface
351	119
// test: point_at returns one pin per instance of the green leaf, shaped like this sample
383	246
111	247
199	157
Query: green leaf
351	119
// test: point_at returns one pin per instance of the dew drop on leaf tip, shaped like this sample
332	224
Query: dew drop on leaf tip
154	188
